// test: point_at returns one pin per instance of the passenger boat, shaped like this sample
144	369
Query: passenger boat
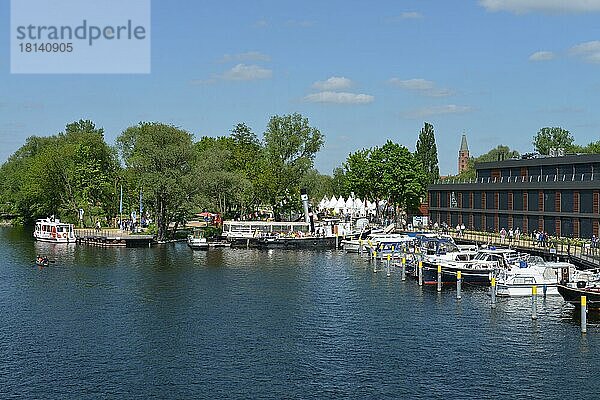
518	281
52	230
197	241
479	270
291	243
581	283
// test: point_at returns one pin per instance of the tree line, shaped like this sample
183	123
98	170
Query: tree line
160	168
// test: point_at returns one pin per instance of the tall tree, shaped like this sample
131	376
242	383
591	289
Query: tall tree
426	154
403	177
291	145
60	174
555	137
162	158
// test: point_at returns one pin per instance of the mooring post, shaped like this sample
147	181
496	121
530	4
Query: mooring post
374	260
403	268
544	290
420	273
360	247
458	285
439	278
388	265
336	241
493	291
534	302
247	243
583	314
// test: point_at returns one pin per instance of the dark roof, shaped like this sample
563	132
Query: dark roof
463	143
541	160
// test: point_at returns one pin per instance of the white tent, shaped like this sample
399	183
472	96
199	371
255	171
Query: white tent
349	205
340	205
323	203
332	202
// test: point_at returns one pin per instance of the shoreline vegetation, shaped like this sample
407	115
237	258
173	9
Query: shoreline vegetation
159	172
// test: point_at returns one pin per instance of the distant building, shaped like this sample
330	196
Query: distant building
463	154
559	195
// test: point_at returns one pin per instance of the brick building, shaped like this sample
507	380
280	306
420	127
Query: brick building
559	195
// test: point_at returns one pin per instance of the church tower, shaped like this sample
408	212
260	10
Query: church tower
463	154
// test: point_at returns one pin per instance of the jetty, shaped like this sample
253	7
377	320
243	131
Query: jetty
112	238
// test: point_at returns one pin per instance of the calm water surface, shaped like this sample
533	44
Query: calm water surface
168	322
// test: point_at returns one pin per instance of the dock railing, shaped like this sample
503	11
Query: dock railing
558	246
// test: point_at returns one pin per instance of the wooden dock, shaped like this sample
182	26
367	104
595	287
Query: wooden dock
112	238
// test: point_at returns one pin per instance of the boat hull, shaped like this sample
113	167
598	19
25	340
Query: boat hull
525	290
573	295
316	243
56	240
469	275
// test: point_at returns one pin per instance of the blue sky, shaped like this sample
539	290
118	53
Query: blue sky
362	72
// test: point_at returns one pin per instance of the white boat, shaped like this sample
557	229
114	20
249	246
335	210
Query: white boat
52	230
197	241
370	242
518	280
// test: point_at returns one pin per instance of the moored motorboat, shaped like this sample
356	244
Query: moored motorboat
519	281
581	283
479	270
197	241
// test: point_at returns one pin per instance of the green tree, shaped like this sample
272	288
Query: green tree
60	174
339	184
317	185
223	185
426	154
555	137
403	177
291	145
358	174
162	158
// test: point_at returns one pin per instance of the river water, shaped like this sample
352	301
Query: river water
171	323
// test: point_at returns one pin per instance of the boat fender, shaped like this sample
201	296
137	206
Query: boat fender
581	284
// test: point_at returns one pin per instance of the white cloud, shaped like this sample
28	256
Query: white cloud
411	15
240	72
243	72
588	51
245	57
437	110
544	6
339	98
413	84
542	56
423	86
261	23
333	83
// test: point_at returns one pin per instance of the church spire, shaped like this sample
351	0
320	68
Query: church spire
463	144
